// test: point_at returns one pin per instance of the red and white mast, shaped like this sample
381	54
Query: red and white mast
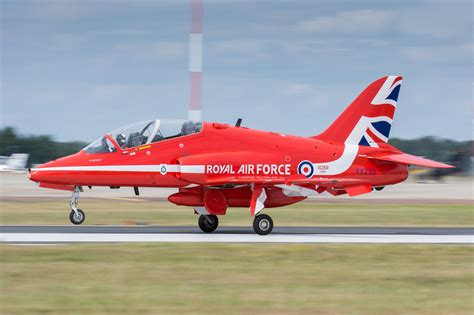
195	60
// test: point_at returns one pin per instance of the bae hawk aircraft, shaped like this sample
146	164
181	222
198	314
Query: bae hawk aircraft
216	166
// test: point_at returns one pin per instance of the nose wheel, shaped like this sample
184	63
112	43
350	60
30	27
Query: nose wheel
262	224
208	223
77	216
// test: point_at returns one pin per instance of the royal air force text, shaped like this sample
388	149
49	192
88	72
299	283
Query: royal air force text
249	169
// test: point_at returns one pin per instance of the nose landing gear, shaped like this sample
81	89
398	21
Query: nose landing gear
77	216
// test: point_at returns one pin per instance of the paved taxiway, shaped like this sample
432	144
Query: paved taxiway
118	234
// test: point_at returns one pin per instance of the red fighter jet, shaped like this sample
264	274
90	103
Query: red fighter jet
216	165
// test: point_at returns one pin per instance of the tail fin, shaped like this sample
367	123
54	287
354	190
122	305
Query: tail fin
368	119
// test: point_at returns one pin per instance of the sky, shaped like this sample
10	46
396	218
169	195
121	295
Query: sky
77	69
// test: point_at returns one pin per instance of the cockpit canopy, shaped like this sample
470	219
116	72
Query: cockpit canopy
144	132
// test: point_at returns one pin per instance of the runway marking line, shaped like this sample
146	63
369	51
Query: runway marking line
233	238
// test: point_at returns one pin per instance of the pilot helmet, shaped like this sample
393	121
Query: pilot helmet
120	139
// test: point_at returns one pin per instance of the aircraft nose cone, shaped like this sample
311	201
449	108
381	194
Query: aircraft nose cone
35	175
39	174
55	172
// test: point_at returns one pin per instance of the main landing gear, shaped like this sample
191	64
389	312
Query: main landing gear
262	223
208	222
77	216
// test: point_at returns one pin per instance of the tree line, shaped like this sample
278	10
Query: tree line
41	148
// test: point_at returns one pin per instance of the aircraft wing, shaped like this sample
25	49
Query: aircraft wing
334	186
291	180
329	182
404	158
244	180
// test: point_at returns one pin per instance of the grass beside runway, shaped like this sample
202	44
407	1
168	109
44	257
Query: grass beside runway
100	211
236	279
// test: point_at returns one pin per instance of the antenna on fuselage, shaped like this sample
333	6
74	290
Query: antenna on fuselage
195	60
239	121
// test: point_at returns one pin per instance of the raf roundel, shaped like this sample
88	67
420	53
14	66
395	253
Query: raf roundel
163	170
306	168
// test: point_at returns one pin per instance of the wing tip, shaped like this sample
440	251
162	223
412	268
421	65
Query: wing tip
443	165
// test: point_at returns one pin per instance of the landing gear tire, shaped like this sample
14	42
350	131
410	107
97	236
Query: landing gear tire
208	223
262	224
77	218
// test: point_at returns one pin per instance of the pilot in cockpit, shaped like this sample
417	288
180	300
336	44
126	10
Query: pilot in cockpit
121	140
147	132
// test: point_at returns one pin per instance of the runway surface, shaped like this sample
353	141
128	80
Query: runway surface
115	234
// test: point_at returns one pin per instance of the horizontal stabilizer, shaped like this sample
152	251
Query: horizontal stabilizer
404	158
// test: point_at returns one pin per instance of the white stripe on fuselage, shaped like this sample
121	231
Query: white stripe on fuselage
340	165
351	148
191	169
173	168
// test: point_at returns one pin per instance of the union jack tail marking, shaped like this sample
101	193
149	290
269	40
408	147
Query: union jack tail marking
368	119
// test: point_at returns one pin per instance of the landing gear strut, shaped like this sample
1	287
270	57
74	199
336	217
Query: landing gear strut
262	224
208	222
77	216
